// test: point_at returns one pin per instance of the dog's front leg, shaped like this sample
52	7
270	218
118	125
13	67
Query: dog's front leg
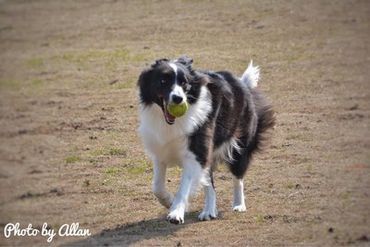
210	209
191	175
159	184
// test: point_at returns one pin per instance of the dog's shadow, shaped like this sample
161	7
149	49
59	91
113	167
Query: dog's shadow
127	234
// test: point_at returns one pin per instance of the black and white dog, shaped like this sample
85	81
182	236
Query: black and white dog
225	122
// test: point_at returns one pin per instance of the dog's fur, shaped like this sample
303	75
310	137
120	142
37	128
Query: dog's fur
226	122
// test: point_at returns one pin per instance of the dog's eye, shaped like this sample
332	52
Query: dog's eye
163	81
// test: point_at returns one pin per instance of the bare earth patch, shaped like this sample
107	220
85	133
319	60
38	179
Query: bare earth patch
69	150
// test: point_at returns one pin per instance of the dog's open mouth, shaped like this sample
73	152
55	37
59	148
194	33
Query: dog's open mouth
167	116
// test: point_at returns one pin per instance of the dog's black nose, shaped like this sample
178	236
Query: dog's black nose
176	99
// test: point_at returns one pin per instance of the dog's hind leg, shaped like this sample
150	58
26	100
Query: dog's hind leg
238	167
159	184
210	209
239	200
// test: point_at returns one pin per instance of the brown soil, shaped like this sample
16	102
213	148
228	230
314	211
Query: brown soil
69	150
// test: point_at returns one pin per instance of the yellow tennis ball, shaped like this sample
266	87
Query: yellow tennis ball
177	110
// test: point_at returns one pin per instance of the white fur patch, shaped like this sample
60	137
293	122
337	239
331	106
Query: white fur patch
169	143
210	209
251	75
178	91
225	151
239	200
174	67
192	175
159	185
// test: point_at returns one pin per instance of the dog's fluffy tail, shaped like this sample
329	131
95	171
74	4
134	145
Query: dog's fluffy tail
251	75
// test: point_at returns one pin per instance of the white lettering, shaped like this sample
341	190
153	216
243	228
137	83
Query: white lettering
73	230
48	232
13	229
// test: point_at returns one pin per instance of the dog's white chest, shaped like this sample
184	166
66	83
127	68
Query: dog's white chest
166	143
169	143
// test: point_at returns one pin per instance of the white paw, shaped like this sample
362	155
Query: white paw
176	216
239	208
208	214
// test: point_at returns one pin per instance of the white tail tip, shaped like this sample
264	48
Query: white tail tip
251	75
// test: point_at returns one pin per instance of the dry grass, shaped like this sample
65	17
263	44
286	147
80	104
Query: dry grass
69	151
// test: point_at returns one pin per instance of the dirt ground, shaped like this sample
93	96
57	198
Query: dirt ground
69	148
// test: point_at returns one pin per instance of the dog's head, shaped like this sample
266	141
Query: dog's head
170	82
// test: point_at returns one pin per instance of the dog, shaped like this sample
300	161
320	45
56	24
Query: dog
227	121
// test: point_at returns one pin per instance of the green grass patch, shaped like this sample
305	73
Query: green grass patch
345	195
117	151
111	57
309	168
125	85
290	185
93	55
36	82
138	167
113	60
35	63
97	152
72	159
9	84
109	151
259	218
29	85
112	170
299	136
136	170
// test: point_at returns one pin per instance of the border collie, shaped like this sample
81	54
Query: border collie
225	122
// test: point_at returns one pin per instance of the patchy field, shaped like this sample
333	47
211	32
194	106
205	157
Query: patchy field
69	150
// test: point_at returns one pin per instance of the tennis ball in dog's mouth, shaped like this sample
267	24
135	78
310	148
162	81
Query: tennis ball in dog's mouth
178	110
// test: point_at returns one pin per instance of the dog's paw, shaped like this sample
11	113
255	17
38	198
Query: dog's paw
208	215
176	217
239	208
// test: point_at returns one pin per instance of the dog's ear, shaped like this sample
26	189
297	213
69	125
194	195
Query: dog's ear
144	84
159	61
201	78
185	60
